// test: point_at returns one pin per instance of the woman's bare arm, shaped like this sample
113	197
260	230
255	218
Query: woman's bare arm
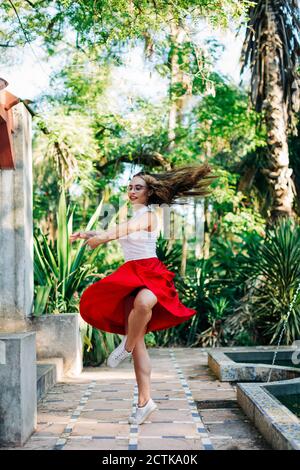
145	221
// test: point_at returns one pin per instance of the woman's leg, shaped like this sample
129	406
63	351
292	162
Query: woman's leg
139	317
142	364
142	368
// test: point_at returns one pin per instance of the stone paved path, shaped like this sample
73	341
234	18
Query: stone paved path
195	410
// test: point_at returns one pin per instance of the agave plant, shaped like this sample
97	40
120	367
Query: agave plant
213	336
217	286
240	326
59	275
192	290
59	271
274	279
169	255
97	345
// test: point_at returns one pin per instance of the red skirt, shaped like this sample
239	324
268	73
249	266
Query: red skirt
102	304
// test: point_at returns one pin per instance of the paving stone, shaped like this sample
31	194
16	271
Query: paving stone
96	444
60	406
169	403
171	394
105	413
222	415
169	444
50	429
160	429
38	444
94	429
51	417
208	385
231	428
111	404
171	415
239	444
213	395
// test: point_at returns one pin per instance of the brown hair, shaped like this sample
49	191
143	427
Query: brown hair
187	180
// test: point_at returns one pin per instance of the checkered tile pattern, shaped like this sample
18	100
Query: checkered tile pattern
205	441
91	411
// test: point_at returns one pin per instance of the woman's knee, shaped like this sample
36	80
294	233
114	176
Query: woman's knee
145	300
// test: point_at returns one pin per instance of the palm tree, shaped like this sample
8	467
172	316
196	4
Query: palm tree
271	48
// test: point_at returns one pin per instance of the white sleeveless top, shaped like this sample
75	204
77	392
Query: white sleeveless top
140	244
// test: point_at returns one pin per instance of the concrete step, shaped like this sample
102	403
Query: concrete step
49	372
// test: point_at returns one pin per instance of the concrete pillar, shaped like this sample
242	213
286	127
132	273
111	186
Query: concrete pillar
18	397
16	232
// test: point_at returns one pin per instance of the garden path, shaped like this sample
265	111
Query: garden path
195	410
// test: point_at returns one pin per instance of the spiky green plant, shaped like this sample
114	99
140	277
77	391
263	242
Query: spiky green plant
59	274
97	345
192	290
60	270
213	336
275	275
169	254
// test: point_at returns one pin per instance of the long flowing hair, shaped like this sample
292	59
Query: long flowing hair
187	180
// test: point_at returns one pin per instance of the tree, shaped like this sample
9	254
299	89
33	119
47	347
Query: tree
271	48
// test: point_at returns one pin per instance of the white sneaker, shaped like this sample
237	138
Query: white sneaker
118	354
142	413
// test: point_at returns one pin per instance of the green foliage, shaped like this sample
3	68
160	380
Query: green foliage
150	339
169	254
213	287
192	290
228	125
220	126
213	336
97	345
274	275
234	213
244	338
59	271
88	141
108	22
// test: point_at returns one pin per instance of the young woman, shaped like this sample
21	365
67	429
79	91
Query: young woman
140	295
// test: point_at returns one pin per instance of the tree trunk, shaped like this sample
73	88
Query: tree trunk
207	221
184	248
175	114
177	38
198	223
278	174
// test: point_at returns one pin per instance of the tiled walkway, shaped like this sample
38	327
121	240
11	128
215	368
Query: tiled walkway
90	412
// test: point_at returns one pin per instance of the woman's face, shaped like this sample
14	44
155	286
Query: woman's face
138	191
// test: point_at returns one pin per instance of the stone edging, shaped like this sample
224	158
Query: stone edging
228	370
279	426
